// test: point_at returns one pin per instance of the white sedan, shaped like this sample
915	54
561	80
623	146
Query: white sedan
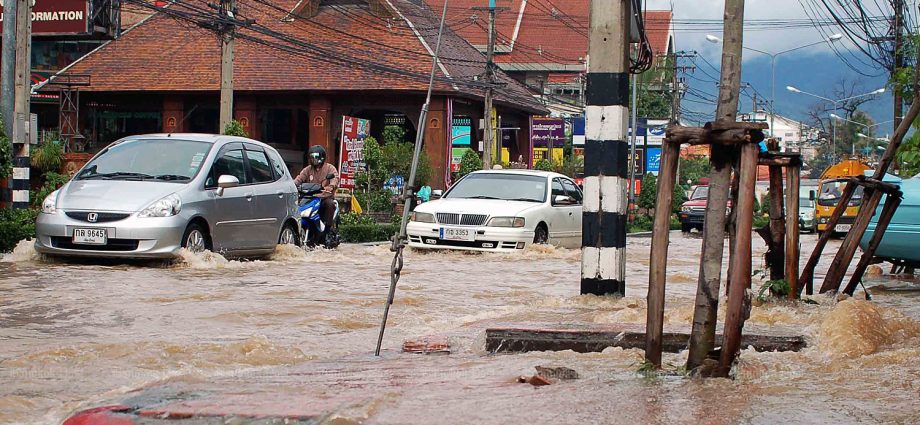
500	210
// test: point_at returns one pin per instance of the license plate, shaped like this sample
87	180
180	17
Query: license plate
842	228
90	236
454	234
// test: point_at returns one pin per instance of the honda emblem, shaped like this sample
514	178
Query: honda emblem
92	217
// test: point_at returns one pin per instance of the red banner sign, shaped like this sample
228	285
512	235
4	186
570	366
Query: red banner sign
354	131
51	17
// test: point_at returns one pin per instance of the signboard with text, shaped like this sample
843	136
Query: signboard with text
547	132
653	160
58	17
638	161
354	131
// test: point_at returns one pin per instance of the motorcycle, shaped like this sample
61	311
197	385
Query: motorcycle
313	230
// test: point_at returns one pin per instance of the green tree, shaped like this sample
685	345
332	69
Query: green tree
469	162
649	192
393	134
693	168
544	165
6	154
909	152
235	128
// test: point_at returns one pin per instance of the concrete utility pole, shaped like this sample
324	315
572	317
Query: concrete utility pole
675	93
488	142
21	112
603	260
898	58
702	337
227	10
7	81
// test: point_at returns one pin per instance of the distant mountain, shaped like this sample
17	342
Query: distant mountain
814	73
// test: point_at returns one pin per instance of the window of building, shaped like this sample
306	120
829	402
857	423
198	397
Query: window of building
277	126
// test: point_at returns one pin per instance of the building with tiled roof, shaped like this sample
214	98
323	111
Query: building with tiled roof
301	67
544	43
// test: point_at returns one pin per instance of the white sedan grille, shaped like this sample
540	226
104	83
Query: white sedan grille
462	219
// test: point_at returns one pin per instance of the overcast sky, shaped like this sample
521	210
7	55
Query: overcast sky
770	41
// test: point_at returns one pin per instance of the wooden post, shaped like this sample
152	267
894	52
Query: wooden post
792	229
738	305
891	205
838	267
777	224
732	218
808	273
659	259
702	338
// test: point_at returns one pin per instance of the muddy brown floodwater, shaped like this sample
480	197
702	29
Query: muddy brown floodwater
298	331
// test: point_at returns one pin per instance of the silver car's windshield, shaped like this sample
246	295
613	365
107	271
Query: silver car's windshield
148	159
510	187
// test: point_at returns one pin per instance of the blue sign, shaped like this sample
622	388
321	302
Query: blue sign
653	160
578	131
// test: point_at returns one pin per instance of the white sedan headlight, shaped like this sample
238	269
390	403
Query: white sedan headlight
49	205
421	217
166	207
506	222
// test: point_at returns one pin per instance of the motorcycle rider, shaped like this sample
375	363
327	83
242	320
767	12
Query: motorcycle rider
316	172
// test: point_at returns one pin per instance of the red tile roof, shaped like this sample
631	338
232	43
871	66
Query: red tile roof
343	48
551	31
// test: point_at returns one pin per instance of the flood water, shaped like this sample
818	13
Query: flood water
295	334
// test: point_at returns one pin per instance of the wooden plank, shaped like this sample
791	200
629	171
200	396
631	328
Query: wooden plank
792	230
841	263
592	340
659	252
776	251
699	136
891	205
738	300
808	273
735	125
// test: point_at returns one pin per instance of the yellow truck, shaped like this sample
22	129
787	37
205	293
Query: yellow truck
830	189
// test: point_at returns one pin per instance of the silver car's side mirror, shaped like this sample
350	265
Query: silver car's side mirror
563	200
226	181
436	194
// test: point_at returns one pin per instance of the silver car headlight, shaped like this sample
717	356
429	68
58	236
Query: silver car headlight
421	217
49	205
166	207
506	222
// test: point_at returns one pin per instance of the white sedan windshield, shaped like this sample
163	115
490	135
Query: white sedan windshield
510	187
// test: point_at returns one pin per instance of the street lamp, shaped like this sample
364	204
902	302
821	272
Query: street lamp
713	39
835	102
868	127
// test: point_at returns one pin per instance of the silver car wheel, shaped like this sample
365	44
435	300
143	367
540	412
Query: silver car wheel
287	236
195	241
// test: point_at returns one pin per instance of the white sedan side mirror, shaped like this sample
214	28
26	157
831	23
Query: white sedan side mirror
436	194
226	181
563	200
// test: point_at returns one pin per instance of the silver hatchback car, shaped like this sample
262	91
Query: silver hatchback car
149	196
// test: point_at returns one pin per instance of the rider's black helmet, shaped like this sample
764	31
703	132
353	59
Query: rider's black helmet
317	153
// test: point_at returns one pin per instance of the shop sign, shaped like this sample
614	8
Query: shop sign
354	132
57	17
